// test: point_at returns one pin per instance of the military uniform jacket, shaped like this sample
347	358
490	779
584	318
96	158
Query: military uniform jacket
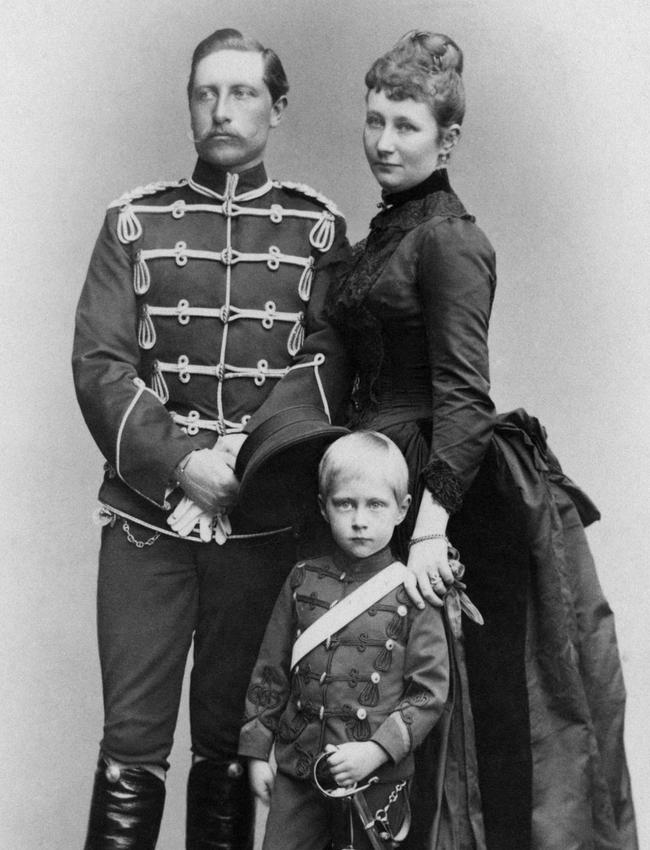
201	315
383	677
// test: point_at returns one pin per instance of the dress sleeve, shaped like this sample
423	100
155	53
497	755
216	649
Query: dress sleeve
321	373
456	278
129	423
426	686
270	684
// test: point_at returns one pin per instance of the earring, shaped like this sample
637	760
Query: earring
443	158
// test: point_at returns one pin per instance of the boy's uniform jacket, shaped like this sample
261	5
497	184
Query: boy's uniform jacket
383	677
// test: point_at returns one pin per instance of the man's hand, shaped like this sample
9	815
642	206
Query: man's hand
187	515
207	477
260	779
230	444
352	762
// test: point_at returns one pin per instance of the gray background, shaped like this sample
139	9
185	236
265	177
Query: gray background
553	162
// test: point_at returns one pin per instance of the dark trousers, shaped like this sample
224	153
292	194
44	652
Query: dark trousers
151	603
301	818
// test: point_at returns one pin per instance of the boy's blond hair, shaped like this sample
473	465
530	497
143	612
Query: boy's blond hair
360	451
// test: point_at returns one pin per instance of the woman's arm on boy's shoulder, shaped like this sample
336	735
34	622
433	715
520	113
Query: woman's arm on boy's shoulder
426	686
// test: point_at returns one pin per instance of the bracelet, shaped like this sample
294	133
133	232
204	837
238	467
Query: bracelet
424	537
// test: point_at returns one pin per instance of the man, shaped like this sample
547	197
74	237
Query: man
201	317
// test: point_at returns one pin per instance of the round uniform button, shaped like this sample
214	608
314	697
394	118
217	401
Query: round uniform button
362	713
390	644
375	677
402	610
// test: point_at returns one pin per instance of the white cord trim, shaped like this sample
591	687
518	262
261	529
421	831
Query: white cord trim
245	196
180	253
149	189
276	212
192	423
120	430
318	360
268	316
223	371
308	192
147	335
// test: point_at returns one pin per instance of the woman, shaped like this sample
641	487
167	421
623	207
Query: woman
544	677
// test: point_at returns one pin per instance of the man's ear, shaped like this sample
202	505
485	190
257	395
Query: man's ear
277	110
321	505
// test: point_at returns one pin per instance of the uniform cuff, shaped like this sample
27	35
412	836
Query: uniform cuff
255	741
393	737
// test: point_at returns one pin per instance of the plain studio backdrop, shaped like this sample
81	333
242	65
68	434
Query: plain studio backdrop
553	162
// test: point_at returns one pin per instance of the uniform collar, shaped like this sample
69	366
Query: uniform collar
364	566
214	179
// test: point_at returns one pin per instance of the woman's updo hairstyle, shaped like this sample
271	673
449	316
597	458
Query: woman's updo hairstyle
426	67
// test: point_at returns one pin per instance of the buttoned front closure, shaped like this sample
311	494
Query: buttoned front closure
382	677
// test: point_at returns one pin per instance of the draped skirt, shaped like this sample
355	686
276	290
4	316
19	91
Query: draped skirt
529	753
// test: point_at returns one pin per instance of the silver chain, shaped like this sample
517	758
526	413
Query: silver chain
139	544
381	815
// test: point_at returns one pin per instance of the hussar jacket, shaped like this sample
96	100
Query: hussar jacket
202	315
383	677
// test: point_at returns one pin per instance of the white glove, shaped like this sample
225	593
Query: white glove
187	514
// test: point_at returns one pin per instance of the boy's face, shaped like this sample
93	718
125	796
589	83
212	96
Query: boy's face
362	512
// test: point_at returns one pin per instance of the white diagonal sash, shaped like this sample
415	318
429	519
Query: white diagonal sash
348	608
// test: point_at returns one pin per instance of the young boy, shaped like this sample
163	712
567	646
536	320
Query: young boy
365	688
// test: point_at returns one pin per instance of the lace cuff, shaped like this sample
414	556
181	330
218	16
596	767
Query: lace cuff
443	485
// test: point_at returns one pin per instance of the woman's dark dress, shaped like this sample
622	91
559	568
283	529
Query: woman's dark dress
544	675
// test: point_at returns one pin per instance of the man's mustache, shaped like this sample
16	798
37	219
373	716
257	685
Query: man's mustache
212	134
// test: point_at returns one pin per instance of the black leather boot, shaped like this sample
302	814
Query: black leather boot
219	807
126	809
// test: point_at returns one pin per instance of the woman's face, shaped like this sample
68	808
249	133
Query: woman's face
402	141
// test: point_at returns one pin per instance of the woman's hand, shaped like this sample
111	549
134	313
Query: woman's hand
350	763
431	574
428	563
260	779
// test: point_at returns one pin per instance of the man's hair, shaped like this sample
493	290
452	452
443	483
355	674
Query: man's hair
427	67
230	39
360	451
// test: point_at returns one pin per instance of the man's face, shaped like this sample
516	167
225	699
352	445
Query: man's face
231	109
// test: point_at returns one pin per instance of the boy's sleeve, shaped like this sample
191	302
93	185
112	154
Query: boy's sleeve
270	683
426	686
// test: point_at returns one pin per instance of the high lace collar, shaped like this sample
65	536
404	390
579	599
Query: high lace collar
437	181
405	210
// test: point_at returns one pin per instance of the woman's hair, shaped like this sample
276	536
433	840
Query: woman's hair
360	451
426	67
231	39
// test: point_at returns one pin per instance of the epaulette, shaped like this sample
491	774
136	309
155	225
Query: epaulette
308	192
149	189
